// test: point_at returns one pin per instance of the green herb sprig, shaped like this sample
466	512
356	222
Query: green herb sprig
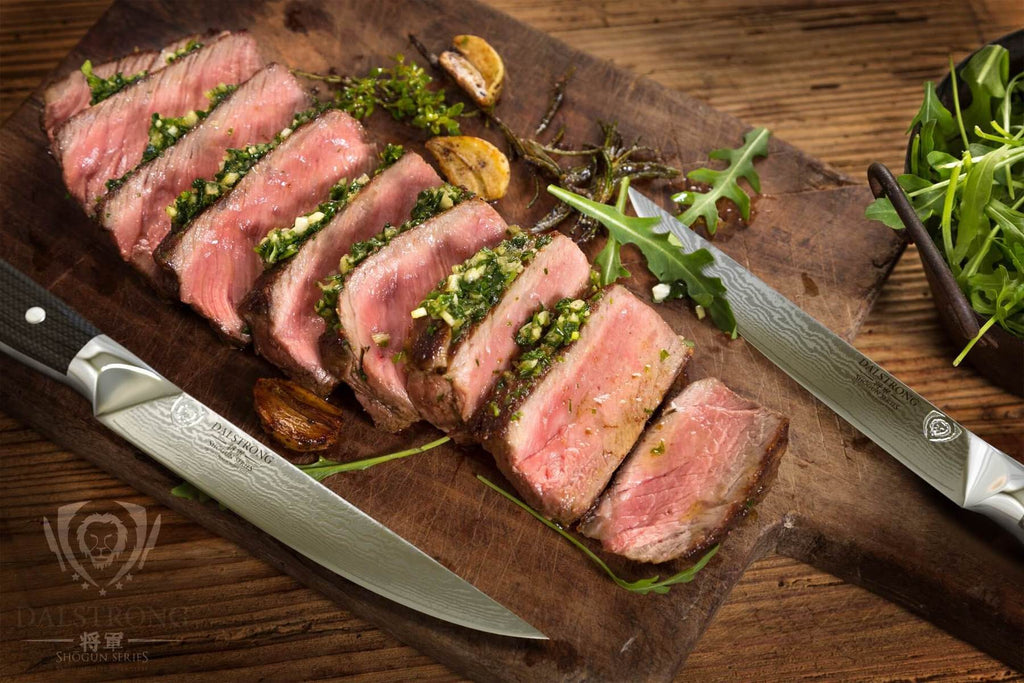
403	90
724	183
666	261
323	468
609	260
966	184
653	584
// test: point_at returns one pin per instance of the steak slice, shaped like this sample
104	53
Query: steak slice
108	139
695	474
559	437
212	259
280	309
450	375
375	303
136	213
71	94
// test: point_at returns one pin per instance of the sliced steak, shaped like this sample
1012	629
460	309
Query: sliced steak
375	304
280	308
136	213
451	374
71	94
559	437
212	259
107	140
695	473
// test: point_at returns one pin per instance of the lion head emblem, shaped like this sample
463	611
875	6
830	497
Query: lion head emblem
102	538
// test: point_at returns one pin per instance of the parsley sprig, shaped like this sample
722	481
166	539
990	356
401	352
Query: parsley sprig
653	584
404	90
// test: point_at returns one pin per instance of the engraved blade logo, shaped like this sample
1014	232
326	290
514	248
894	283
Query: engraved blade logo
939	429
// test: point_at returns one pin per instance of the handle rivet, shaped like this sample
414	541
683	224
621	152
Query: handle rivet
35	315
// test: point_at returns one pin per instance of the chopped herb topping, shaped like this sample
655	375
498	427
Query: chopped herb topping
664	354
476	285
659	449
390	155
165	131
429	203
102	88
237	163
203	193
186	49
545	334
283	243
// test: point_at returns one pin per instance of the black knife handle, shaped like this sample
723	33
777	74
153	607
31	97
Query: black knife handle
41	330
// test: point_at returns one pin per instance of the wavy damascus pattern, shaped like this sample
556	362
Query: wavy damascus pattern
262	487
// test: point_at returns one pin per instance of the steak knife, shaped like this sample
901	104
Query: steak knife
972	473
147	410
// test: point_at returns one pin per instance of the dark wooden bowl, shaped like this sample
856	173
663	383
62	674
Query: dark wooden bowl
999	355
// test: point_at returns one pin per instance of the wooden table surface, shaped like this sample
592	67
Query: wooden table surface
838	79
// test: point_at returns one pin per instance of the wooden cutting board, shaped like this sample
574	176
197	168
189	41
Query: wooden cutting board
839	502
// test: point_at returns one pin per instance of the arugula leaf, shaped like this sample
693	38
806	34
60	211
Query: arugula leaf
641	586
725	183
323	468
986	75
936	124
666	261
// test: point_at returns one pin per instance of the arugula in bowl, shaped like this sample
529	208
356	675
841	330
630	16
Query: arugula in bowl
966	184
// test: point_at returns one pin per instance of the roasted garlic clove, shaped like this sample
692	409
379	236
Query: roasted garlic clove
298	419
476	67
472	163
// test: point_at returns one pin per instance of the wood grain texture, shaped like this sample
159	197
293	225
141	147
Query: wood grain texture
985	411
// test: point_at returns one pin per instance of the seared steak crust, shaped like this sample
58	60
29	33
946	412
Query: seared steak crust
279	310
697	471
559	437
